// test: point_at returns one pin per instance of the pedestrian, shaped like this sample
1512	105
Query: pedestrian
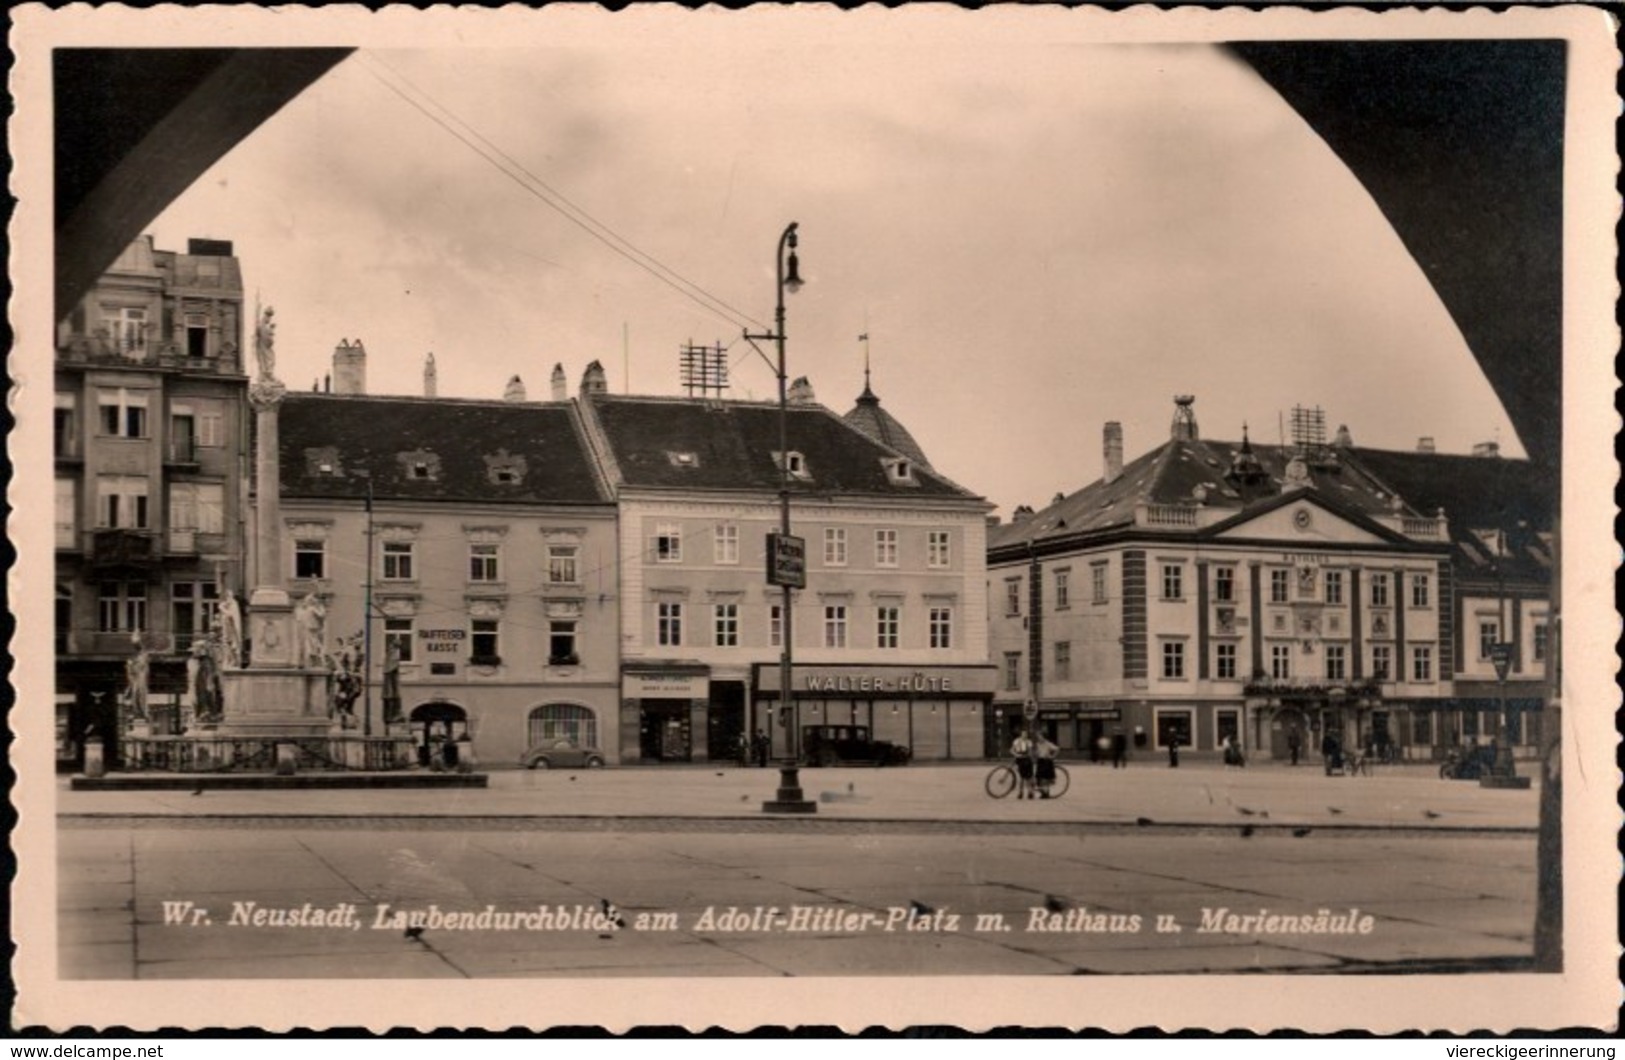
742	752
1173	752
1332	750
1232	753
1294	743
1044	752
763	745
1119	749
1022	749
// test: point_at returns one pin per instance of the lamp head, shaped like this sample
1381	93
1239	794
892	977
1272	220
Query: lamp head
792	272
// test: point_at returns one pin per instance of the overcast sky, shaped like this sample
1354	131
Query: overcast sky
1038	236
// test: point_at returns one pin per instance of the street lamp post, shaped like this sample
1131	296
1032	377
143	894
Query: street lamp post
786	556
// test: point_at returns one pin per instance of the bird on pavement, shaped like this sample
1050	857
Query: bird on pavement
1430	814
1301	832
1244	811
1246	830
199	789
413	933
1333	810
1144	821
612	914
919	908
1054	904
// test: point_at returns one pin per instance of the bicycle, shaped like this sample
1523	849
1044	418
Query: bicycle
1002	780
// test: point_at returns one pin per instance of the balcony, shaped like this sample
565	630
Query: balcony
182	453
183	542
133	550
1169	515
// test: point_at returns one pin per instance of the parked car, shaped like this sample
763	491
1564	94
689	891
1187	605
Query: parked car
828	745
1467	764
562	754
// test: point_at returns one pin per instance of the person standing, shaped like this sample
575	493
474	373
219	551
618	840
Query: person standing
1044	752
1173	751
1119	749
1294	743
1022	749
763	745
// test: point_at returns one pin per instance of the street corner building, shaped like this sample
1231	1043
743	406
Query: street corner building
889	636
1279	597
480	537
149	432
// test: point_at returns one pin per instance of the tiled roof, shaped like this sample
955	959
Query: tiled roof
874	421
729	445
1174	474
1479	494
480	451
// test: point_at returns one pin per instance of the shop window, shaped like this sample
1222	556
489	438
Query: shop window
1173	726
562	721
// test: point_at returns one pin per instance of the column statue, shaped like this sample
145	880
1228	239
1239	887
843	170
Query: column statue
231	633
265	343
310	616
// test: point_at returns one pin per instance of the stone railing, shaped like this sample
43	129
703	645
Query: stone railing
1168	515
258	754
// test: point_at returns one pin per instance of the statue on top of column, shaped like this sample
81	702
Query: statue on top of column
265	343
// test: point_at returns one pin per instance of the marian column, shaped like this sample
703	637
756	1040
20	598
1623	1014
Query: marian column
277	695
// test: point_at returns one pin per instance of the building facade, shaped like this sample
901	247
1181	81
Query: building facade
483	537
890	631
1271	595
149	433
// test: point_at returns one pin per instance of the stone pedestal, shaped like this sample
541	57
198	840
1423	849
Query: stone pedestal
285	702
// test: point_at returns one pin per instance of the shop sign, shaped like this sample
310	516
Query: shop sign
667	686
787	561
882	681
442	640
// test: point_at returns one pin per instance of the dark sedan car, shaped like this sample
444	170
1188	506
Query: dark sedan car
828	745
562	754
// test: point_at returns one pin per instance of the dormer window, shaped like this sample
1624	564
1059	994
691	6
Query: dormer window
683	459
504	476
503	468
323	462
420	470
419	465
792	462
900	471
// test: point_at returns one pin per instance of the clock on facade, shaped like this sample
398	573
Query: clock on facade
1301	519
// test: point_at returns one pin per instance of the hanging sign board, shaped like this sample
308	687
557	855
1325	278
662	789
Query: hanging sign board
787	561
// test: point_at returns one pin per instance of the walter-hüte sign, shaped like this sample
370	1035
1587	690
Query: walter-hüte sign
787	561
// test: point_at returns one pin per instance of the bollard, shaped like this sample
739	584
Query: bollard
287	759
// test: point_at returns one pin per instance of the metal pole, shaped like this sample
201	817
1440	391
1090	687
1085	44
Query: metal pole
366	629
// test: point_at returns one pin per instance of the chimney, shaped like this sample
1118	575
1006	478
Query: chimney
800	392
993	522
1022	513
561	385
1489	449
1344	439
593	381
430	382
350	368
1424	444
1114	451
1184	425
515	390
327	383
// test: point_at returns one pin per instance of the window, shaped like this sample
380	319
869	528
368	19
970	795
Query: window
1379	590
123	413
562	721
1012	671
834	546
1224	584
398	561
64	428
942	627
483	649
1419	590
1012	596
793	463
1489	634
127	328
561	564
398	633
198	506
211	429
197	335
725	543
1173	727
835	626
1280	661
1224	662
1173	581
67	521
1336	662
1097	582
482	563
775	625
1382	662
1173	660
936	549
1063	660
1422	663
191	611
888	620
725	625
310	559
885	548
1540	641
122	607
1280	581
121	502
1334	587
669	624
1063	588
561	643
668	544
182	434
